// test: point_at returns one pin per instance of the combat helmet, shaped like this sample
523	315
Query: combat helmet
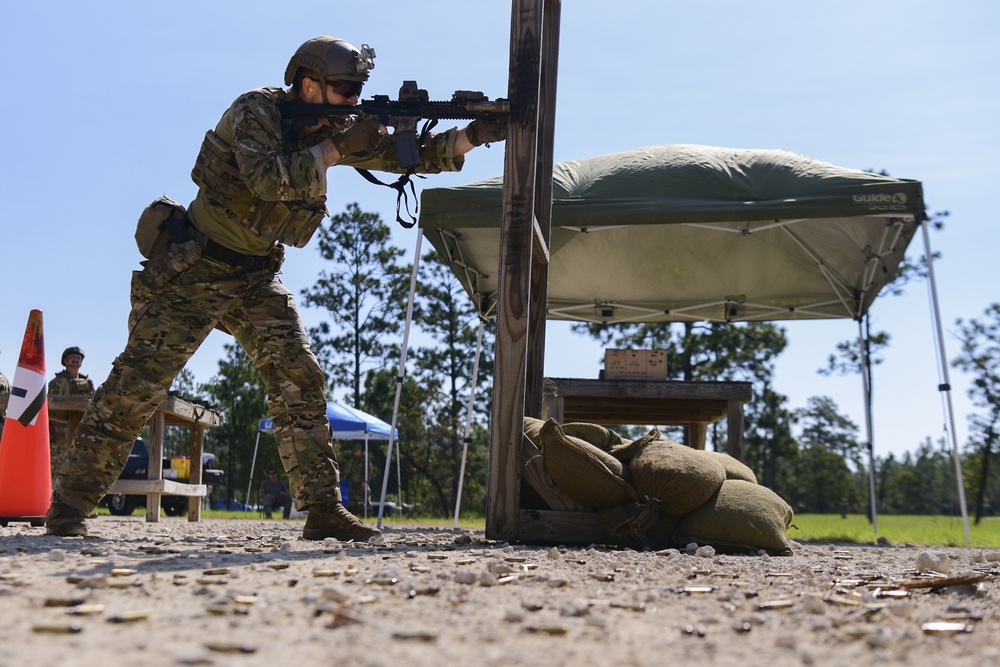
68	351
332	58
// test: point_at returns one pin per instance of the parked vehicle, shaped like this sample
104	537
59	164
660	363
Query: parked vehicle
137	467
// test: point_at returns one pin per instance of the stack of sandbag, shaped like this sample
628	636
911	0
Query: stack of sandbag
661	493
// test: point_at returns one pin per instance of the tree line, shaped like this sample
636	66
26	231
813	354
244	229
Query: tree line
813	456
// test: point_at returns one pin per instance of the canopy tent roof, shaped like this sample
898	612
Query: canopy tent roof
686	232
347	423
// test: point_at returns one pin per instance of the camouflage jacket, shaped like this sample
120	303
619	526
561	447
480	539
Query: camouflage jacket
63	384
258	187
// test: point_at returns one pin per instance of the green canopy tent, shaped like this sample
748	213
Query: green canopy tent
673	233
695	233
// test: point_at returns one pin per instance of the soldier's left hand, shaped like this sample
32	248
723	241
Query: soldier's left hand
481	131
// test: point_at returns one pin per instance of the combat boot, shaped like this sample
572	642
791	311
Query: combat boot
335	521
65	521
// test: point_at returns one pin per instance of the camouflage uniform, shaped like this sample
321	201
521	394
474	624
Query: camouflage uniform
64	384
257	190
4	397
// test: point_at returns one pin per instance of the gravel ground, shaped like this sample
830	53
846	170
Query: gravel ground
233	592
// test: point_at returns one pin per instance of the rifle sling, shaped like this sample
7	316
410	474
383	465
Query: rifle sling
400	185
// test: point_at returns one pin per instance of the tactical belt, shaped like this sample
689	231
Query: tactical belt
248	263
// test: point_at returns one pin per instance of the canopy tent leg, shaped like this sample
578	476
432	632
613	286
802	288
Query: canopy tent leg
945	385
399	479
468	419
253	462
364	491
866	378
401	376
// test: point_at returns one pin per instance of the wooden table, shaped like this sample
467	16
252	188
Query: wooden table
172	412
655	402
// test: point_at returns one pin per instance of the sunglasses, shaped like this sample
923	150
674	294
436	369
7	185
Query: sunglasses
346	88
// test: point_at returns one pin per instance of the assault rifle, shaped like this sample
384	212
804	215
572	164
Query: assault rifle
402	114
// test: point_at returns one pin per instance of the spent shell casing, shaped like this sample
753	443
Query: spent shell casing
690	590
774	604
548	629
227	647
129	616
64	602
946	628
57	628
86	610
415	635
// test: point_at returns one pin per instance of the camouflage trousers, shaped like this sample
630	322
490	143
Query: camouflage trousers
177	299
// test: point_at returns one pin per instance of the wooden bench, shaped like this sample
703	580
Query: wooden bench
172	412
655	402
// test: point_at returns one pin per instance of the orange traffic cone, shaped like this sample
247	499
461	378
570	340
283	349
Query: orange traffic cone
25	469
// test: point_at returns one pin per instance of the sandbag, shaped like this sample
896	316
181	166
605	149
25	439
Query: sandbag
735	469
599	436
629	448
583	472
740	517
681	478
531	428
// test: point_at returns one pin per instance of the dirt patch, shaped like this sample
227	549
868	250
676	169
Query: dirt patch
232	592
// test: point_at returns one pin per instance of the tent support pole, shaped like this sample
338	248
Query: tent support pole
866	376
401	376
468	419
253	462
945	385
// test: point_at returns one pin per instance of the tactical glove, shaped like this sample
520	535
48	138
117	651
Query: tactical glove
359	139
481	131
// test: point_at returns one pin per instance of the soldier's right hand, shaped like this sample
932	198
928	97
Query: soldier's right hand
360	139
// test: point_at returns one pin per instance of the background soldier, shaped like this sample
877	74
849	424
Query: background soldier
359	500
273	493
67	382
4	398
259	188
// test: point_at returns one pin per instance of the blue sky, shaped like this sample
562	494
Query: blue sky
108	102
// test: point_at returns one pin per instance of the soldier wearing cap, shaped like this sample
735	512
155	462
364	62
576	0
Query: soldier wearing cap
260	187
4	398
67	382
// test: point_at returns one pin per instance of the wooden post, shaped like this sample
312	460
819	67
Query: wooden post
522	240
538	306
154	466
197	443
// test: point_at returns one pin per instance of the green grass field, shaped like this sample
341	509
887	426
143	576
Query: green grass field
855	529
898	529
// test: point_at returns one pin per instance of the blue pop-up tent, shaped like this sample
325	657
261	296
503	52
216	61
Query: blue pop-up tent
347	423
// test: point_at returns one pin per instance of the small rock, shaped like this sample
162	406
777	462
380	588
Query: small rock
336	594
814	605
465	577
705	552
935	561
883	541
